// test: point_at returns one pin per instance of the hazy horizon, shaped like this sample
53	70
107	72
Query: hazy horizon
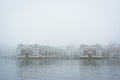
59	22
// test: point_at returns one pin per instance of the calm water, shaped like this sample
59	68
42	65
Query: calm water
51	69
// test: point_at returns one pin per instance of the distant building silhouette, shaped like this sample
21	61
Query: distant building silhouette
94	51
38	51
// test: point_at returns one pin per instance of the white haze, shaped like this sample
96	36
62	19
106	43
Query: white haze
59	22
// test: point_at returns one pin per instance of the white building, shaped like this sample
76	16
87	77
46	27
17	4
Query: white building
38	51
94	51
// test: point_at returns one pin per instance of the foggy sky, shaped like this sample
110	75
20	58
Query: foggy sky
59	22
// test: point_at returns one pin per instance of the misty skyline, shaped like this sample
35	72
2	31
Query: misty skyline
59	22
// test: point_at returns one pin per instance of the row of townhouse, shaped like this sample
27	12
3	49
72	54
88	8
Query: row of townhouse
84	51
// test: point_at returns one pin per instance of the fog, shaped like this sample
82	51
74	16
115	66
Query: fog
58	22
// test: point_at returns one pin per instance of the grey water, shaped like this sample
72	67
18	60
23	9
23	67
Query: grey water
57	69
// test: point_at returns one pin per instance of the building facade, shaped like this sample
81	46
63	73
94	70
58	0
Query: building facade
38	51
94	51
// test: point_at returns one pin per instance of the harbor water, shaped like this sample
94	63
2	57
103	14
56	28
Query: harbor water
57	69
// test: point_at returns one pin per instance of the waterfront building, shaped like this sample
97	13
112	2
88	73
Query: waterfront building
38	51
94	51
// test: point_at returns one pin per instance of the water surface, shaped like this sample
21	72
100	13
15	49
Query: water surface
56	69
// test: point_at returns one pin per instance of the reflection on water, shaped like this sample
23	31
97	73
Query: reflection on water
56	69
